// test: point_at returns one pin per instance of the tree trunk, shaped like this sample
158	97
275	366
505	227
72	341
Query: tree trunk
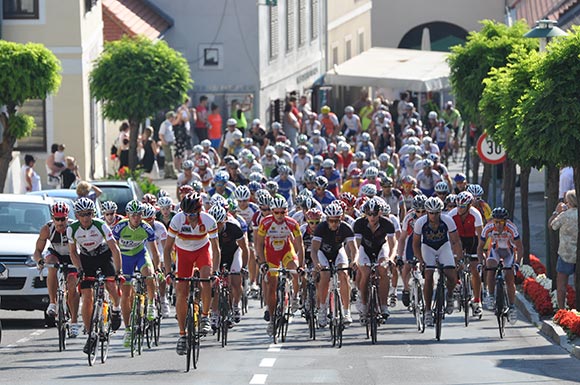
552	201
577	277
485	179
134	134
6	148
509	185
524	195
475	161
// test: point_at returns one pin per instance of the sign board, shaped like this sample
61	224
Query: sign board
489	151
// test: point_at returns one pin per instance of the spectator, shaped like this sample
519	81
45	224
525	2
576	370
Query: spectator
150	150
167	137
291	125
566	181
70	174
202	124
123	140
215	126
238	112
53	169
29	179
87	190
565	219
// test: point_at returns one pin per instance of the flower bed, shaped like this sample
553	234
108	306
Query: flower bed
537	265
569	320
539	295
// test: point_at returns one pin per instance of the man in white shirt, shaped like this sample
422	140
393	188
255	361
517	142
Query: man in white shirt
167	137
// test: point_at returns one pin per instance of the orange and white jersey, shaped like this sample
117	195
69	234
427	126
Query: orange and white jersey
501	240
278	236
192	238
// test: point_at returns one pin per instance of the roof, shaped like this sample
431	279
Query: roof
394	68
534	10
133	17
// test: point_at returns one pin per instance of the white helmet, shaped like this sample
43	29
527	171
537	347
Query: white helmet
365	137
256	177
237	135
348	109
328	163
276	125
269	150
256	122
343	146
432	115
279	203
231	122
165	202
206	143
434	205
383	157
371	172
242	193
148	211
218	212
370	190
218	200
475	190
333	210
441	187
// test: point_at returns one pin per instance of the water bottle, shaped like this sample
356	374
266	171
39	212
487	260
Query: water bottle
105	311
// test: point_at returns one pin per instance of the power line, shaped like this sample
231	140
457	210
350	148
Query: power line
217	32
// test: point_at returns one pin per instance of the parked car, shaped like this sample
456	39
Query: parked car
119	191
21	217
67	195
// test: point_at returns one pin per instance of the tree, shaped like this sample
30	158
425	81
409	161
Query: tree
549	114
27	71
134	78
470	65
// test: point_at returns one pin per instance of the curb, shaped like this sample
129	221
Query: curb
547	327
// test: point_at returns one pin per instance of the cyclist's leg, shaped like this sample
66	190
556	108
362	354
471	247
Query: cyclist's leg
236	280
89	265
271	281
184	262
448	262
491	265
430	266
510	279
51	278
342	262
406	271
73	297
290	261
128	263
204	264
324	281
362	275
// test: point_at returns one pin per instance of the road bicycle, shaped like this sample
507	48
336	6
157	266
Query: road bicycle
63	314
417	304
374	317
439	312
100	326
142	329
336	313
225	313
282	312
502	305
309	311
245	290
466	297
192	319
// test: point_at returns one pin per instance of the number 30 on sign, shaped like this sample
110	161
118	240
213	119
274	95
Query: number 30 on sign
489	151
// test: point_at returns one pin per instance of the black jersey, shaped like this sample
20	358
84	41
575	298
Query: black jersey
373	242
307	240
332	241
228	237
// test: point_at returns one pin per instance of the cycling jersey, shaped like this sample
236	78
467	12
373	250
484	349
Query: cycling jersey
372	242
248	213
159	217
348	187
132	240
501	240
278	236
332	241
307	240
285	187
466	225
324	201
394	199
484	209
91	241
226	194
192	238
268	164
368	148
334	181
160	236
435	238
58	241
426	183
228	239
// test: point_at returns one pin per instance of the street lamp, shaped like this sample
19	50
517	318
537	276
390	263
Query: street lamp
544	30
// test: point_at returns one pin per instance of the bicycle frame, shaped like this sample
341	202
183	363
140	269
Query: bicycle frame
283	297
63	315
335	305
374	317
502	304
417	301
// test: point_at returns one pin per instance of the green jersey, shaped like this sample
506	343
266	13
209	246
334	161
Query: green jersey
132	240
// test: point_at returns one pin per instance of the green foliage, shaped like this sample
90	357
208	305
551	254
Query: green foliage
484	50
20	125
135	77
27	71
146	184
549	112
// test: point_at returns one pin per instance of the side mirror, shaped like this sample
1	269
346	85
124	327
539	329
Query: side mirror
3	271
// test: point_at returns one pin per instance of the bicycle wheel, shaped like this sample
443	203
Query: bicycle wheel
339	322
500	305
157	322
61	322
135	312
196	337
224	316
332	323
93	334
439	305
190	330
374	312
311	310
105	338
466	297
279	314
419	307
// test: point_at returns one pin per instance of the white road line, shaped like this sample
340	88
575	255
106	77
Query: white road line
274	348
258	379
38	332
23	340
267	362
410	357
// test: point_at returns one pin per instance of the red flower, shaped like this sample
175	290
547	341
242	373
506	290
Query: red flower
537	265
540	296
571	297
569	321
519	278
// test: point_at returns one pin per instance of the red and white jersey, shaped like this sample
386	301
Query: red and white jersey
501	240
278	236
466	226
192	238
409	222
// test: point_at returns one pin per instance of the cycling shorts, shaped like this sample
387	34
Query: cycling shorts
186	260
61	259
441	145
365	260
341	258
234	262
469	244
138	261
274	261
409	254
506	254
91	264
444	254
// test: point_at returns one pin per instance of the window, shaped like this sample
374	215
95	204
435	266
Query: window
314	19
348	50
89	4
290	24
334	55
20	9
361	42
273	10
37	140
301	22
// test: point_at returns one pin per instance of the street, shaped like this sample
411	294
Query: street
472	355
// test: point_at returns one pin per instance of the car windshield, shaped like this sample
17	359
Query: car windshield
25	218
121	195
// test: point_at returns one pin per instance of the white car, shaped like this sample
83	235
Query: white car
21	217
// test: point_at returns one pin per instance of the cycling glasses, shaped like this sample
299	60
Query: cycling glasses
59	219
313	222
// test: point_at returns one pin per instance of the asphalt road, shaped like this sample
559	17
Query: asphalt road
472	355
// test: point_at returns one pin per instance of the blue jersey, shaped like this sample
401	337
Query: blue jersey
326	200
226	194
333	180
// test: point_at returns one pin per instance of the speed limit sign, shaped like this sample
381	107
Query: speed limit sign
489	151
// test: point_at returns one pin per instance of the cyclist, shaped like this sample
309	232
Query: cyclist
375	238
54	231
133	234
393	197
409	190
110	216
332	175
194	234
321	194
247	209
279	241
435	237
234	249
92	247
460	183
441	190
469	224
481	205
507	245
166	212
331	240
428	178
352	185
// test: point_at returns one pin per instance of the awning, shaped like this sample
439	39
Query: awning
395	68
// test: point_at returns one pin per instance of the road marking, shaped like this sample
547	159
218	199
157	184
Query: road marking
258	379
267	362
38	332
23	340
274	348
410	357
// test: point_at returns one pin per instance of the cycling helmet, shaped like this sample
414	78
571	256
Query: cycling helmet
385	207
165	202
187	165
276	126
325	110
272	186
197	186
419	202
191	203
348	109
148	211
231	122
343	146
108	206
383	157
242	193
432	115
162	193
232	205
313	215
222	176
328	163
359	155
347	198
355	173
298	200
451	199
464	198
369	190
321	181
218	200
256	177
375	163
317	159
340	203
387	181
269	150
236	135
333	210
197	149
200	162
371	172
372	206
218	213
149	198
434	205
302	138
434	157
205	143
284	170
475	190
134	207
254	186
459	177
59	210
365	137
427	140
408	180
500	213
307	203
360	201
305	192
263	197
256	122
186	189
279	203
442	187
84	204
309	176
427	163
